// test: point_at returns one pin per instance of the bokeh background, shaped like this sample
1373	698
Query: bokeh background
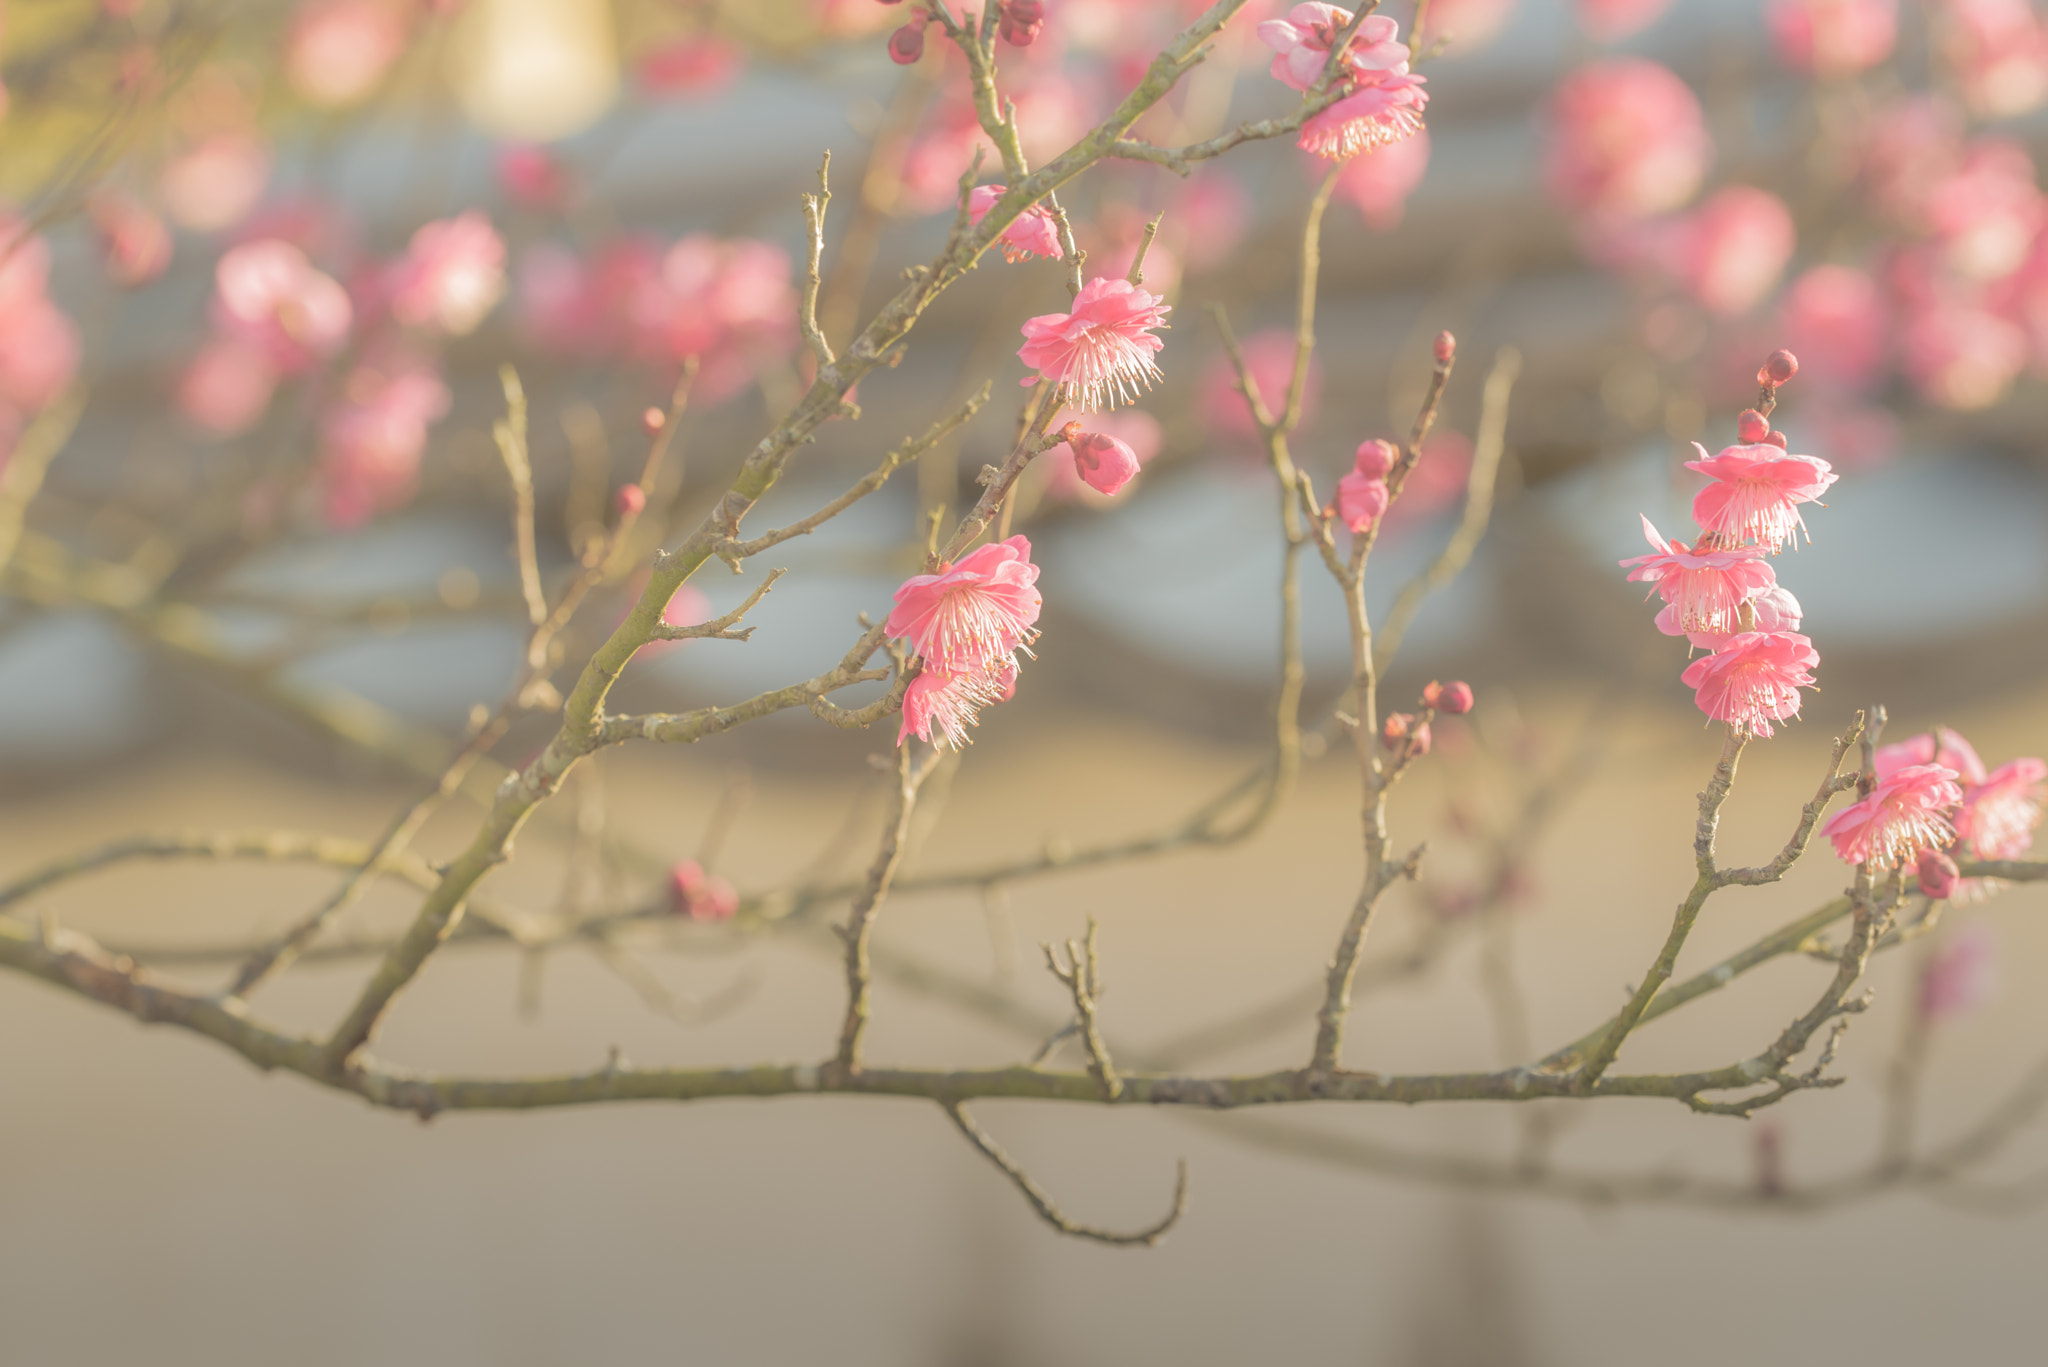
269	573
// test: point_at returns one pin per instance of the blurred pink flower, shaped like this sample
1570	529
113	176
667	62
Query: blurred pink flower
1756	492
1999	814
1610	21
39	344
1730	251
1986	213
1904	814
1962	357
1032	233
1381	110
1706	587
1378	184
1210	217
1439	476
1834	37
1858	436
1102	351
1960	976
1908	147
951	703
1361	500
268	295
1135	429
971	616
338	50
1753	679
1998	50
698	66
227	386
451	276
1835	320
1627	138
533	177
136	244
1269	356
372	438
1464	24
216	182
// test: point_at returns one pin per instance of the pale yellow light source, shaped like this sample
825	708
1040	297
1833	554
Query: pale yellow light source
534	70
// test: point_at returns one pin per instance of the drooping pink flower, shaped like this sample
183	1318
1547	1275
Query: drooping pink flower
1706	587
1961	976
1999	815
338	50
1940	746
1756	492
1361	500
1102	351
1938	874
1381	110
1269	356
1032	233
268	294
451	275
1834	37
1610	21
1133	428
373	436
1301	44
949	704
1378	184
1105	464
1834	318
694	67
1960	356
227	386
1627	138
971	616
1754	679
216	182
1904	814
1730	251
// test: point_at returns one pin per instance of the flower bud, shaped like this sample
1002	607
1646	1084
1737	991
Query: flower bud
1104	463
629	500
685	885
1778	367
906	45
1361	501
1394	729
1453	699
1751	426
1938	874
1446	347
718	902
1776	439
652	421
1021	20
1376	458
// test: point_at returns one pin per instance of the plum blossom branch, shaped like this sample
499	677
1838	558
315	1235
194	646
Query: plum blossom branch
510	435
814	228
726	627
860	921
1082	973
1051	1213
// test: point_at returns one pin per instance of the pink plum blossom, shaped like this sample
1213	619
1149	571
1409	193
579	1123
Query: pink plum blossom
1378	112
268	294
1301	44
1960	976
1999	52
1378	183
1627	138
1706	587
216	182
1102	351
338	50
451	275
1939	746
1104	463
1754	679
1834	37
1756	492
1132	428
1731	250
373	436
1904	814
39	344
949	704
1033	233
1775	609
1998	815
1361	500
1985	214
1610	21
1908	146
1835	319
971	616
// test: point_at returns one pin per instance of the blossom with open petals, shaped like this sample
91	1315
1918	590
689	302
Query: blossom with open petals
451	275
1754	679
972	616
1756	492
1939	746
1998	816
1301	44
1705	585
1775	609
1032	234
1381	110
269	295
948	704
1903	815
1102	351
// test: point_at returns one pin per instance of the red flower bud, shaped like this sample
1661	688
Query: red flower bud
1751	426
1021	20
1376	458
1394	729
629	500
1446	347
1453	699
1776	439
1778	367
906	45
1938	874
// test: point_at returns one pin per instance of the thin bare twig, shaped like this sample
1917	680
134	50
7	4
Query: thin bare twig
1043	1204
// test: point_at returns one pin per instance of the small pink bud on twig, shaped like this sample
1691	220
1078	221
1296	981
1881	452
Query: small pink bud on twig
1938	874
1376	458
652	421
906	44
1453	699
1751	426
1021	21
1400	727
629	500
1778	367
1776	439
1446	347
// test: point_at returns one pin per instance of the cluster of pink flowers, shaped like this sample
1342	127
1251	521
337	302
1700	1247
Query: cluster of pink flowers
966	623
729	303
1934	802
38	342
1720	592
1382	101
